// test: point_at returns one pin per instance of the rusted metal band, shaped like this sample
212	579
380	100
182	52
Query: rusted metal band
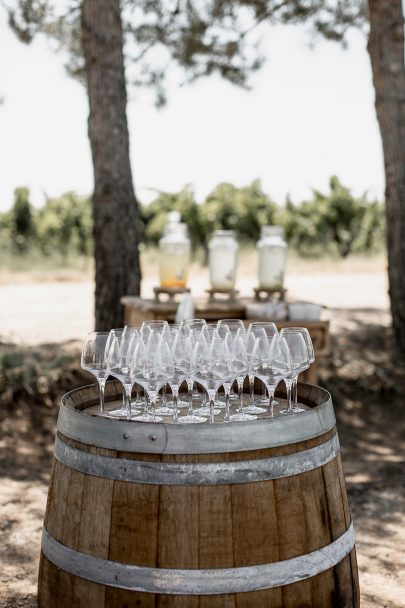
186	474
132	436
197	582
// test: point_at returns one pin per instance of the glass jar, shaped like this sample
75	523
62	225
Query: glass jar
174	253
272	249
222	259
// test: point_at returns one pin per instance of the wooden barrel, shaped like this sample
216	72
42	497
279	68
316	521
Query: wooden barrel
242	515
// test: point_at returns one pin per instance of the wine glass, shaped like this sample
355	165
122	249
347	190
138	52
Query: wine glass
138	402
194	326
118	333
161	328
300	361
211	367
271	363
153	325
121	363
311	355
154	368
257	329
250	341
229	328
93	360
182	353
239	360
175	330
232	324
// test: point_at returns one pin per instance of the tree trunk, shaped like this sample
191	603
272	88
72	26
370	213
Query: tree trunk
115	209
386	50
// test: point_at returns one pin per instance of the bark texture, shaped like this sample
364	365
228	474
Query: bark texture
386	50
115	209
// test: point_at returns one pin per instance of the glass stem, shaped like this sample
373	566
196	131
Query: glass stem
146	405
101	384
252	388
152	399
288	385
271	390
196	392
128	391
240	393
164	401
190	384
175	392
211	396
138	393
264	393
295	391
227	417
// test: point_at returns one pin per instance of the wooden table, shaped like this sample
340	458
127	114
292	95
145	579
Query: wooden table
138	310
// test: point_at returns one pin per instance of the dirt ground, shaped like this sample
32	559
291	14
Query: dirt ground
367	381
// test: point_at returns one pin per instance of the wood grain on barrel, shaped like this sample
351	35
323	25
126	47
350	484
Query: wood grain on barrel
199	527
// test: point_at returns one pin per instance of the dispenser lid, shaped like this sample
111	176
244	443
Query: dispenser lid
174	217
272	231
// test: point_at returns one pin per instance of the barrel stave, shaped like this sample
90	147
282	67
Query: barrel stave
199	526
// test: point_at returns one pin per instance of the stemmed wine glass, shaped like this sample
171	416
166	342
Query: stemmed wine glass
271	363
138	402
152	330
192	328
118	333
311	355
211	367
232	327
250	341
94	361
260	329
300	361
239	371
182	353
121	362
154	368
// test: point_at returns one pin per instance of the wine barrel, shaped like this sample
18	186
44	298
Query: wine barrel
244	515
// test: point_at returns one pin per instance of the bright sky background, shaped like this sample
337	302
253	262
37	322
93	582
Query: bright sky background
309	115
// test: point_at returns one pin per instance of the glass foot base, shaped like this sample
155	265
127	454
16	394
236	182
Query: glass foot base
241	417
189	419
205	411
164	411
253	409
293	410
148	418
122	413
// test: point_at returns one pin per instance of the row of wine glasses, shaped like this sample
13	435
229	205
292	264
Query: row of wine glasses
155	354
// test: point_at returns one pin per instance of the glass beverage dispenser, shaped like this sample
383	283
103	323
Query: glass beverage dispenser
222	259
272	249
174	253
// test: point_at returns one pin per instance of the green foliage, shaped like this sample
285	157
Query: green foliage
64	224
21	220
154	216
243	210
336	223
62	227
